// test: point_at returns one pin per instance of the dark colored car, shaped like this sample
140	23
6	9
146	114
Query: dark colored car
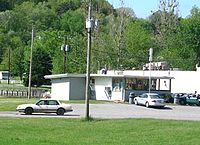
187	99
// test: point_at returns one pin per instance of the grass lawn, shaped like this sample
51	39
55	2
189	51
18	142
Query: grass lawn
56	131
10	104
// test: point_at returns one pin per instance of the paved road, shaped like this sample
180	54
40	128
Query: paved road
123	111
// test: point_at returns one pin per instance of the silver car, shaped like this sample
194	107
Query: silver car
45	106
150	99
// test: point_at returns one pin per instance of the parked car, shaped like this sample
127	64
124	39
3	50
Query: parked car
189	99
186	99
45	106
193	100
150	99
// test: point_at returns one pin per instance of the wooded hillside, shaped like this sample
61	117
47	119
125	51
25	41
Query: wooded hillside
122	40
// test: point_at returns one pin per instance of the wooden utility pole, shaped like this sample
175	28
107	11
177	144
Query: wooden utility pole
30	67
65	53
87	90
9	65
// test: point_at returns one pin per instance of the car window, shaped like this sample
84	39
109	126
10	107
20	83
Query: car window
42	102
144	96
53	102
155	96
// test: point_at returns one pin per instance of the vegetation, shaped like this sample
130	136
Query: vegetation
122	40
57	131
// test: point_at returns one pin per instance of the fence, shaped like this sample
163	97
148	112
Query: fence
36	93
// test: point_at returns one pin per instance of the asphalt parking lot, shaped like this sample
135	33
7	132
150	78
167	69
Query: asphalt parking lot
115	111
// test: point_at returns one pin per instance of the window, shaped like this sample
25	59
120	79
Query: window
140	84
136	84
42	102
117	84
53	102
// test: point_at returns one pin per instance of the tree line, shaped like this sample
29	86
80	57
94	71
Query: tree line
121	41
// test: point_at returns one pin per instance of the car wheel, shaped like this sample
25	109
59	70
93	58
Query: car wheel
162	107
147	104
28	111
60	111
182	102
136	103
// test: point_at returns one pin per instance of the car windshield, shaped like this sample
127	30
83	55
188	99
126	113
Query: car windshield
154	96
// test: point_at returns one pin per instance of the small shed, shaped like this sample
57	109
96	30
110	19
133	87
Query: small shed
4	75
67	86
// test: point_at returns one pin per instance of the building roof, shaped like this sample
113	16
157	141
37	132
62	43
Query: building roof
57	76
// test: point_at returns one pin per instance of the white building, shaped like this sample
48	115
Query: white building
111	86
116	85
67	86
4	75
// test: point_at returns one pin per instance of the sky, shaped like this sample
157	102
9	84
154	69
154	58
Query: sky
144	8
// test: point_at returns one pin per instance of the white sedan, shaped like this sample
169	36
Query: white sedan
149	99
45	106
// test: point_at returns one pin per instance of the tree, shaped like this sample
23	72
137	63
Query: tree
138	41
18	62
41	66
164	21
191	27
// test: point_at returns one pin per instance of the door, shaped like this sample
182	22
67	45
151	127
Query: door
52	106
42	106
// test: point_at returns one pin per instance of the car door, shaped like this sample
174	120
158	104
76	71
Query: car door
41	106
139	99
53	105
143	98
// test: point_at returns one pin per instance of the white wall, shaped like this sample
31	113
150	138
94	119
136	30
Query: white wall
60	89
100	84
185	82
117	95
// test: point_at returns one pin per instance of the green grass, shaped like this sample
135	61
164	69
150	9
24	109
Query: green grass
10	104
56	131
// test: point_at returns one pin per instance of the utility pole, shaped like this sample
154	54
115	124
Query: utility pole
30	67
65	48
9	65
150	60
65	53
89	29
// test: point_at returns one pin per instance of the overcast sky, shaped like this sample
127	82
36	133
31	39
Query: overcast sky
143	8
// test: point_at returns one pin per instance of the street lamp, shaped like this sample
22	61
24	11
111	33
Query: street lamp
65	48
